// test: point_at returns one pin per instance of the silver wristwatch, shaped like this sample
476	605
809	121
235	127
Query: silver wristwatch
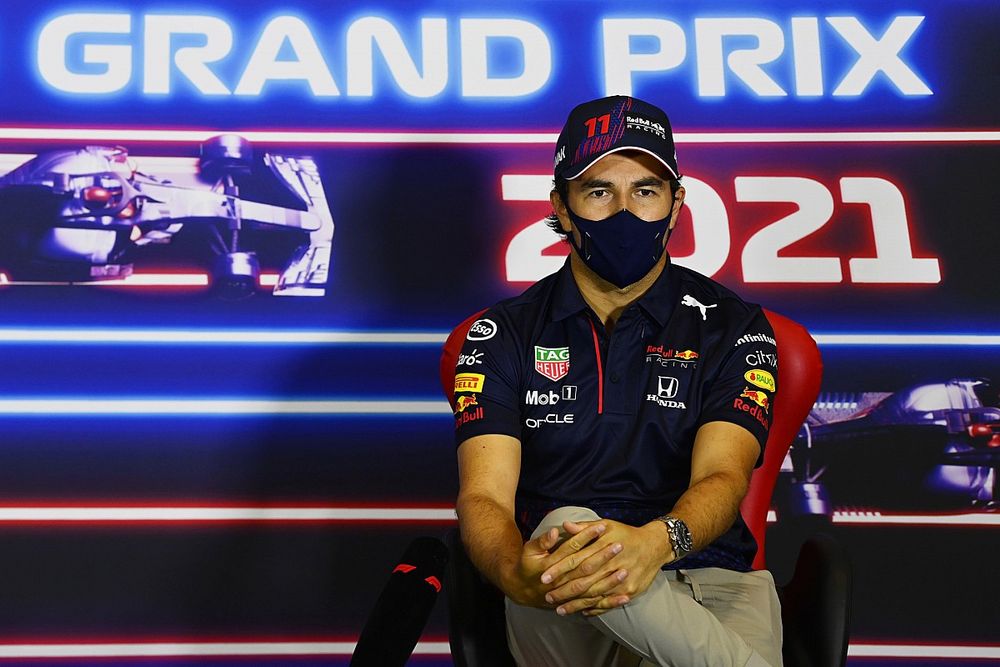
680	536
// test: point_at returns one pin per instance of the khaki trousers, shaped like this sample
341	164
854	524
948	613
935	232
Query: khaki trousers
708	617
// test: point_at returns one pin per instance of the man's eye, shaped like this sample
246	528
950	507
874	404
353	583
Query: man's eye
598	193
645	192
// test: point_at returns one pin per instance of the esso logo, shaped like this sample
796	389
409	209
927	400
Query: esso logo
483	329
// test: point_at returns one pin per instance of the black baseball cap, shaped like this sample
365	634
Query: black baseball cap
611	124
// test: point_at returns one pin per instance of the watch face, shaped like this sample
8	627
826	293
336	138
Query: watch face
680	537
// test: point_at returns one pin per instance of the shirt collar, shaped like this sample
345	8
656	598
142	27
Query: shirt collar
567	299
660	299
658	302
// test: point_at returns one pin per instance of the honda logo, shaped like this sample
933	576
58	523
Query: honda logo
666	387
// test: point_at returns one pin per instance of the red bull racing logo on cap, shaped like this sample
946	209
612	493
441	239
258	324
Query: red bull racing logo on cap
552	362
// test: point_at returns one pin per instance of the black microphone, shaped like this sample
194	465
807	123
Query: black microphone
402	610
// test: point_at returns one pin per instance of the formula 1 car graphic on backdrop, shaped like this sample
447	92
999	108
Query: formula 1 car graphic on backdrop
85	215
933	446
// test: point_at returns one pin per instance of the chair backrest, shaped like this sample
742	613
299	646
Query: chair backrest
800	371
799	374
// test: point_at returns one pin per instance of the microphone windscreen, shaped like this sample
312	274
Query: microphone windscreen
401	611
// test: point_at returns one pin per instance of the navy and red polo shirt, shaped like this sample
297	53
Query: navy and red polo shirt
608	421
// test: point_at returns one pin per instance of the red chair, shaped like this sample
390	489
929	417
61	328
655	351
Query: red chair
815	602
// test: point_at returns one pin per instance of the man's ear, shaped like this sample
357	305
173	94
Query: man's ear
559	208
675	210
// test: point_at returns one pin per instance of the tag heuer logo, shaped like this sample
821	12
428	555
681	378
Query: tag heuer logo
552	362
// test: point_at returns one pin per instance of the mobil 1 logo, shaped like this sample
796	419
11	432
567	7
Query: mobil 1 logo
535	397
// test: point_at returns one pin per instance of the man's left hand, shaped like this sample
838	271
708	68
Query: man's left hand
629	573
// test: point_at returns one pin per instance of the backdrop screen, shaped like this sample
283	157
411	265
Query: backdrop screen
233	238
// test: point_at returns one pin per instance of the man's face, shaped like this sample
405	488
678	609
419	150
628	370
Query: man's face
630	180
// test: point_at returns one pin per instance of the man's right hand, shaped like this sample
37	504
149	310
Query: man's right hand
488	467
523	583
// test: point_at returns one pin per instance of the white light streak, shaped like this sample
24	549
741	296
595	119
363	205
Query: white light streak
74	514
332	337
877	518
136	280
916	340
219	337
322	137
192	513
180	648
962	652
161	163
429	648
220	407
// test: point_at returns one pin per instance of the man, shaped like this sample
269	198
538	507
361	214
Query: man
608	420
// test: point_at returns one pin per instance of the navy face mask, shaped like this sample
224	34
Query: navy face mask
622	248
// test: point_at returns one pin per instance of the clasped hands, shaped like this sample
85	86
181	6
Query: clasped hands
600	565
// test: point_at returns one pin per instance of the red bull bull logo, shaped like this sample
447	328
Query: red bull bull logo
686	354
464	402
758	397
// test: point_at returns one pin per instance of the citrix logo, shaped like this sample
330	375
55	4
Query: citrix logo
760	358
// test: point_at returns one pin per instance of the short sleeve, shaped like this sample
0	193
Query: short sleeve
487	380
743	391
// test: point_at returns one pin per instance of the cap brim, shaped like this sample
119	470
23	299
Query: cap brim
617	149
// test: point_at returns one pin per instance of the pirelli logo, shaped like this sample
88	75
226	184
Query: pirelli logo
469	382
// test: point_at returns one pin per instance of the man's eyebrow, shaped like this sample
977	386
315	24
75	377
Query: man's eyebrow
595	183
647	182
